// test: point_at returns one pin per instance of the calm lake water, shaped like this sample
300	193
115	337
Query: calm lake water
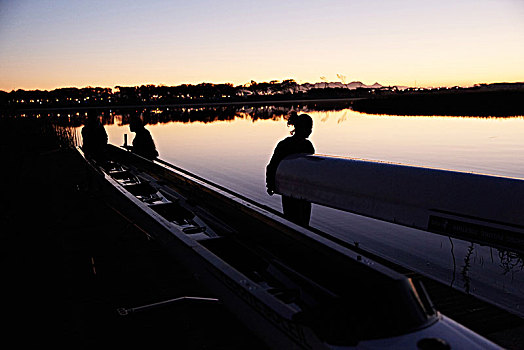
231	146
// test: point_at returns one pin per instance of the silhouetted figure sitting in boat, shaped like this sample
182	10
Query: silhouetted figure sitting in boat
94	136
296	210
143	143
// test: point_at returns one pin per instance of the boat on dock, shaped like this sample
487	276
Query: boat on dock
292	286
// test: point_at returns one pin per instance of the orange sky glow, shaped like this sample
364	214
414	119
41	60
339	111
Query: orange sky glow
50	44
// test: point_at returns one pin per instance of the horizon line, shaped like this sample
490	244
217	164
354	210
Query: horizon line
266	82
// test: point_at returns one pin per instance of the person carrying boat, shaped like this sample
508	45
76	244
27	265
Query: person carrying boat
143	143
94	136
296	210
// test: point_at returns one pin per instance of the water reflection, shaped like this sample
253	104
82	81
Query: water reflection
454	262
511	262
465	269
192	114
231	145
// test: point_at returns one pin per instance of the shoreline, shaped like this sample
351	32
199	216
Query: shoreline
197	104
497	103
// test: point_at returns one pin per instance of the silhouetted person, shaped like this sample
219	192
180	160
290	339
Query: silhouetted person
94	136
296	210
143	143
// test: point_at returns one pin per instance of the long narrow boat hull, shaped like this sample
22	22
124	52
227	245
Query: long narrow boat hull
292	287
482	208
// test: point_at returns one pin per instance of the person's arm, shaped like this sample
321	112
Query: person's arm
271	169
312	150
151	147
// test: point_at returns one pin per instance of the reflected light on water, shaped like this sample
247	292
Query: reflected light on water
233	151
485	145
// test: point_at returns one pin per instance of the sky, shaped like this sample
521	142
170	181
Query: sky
68	43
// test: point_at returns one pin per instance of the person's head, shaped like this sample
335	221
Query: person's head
135	123
92	116
303	124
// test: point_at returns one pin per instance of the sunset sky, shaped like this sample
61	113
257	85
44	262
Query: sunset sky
65	43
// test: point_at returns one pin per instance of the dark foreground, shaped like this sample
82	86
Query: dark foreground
69	261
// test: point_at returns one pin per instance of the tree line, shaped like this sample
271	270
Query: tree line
166	95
